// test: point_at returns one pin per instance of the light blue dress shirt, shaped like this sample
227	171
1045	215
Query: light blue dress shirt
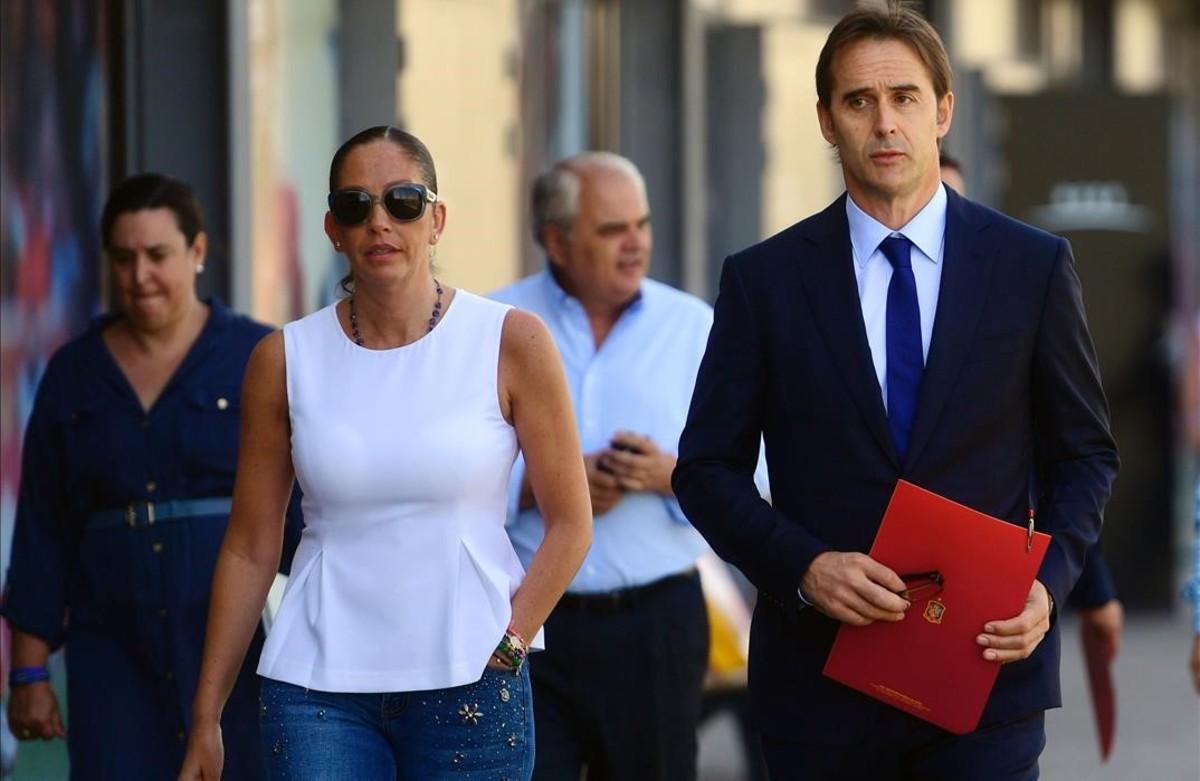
639	380
927	232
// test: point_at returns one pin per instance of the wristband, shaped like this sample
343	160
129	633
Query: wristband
23	676
512	649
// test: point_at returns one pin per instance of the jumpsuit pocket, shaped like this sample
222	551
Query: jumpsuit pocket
83	437
210	437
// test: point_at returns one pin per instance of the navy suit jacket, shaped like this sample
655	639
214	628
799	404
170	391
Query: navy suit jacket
1095	587
1011	389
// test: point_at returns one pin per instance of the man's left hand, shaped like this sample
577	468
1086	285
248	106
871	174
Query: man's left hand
638	463
1016	638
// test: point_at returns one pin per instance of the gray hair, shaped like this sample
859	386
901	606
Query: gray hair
556	192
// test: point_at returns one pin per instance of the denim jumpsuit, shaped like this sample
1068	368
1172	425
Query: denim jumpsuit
130	603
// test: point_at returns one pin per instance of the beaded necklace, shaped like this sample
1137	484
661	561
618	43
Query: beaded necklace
434	316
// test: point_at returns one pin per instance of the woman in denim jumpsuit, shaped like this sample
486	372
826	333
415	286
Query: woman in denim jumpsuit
127	469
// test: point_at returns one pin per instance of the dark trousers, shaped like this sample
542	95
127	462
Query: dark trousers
618	688
737	702
902	748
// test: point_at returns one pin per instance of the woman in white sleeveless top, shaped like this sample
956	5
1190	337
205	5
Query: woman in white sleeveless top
397	650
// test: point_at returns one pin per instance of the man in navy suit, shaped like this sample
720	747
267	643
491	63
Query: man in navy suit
903	332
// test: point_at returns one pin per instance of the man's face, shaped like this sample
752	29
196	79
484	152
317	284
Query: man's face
885	120
604	258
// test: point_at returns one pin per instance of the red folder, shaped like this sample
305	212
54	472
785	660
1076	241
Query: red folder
1098	654
929	664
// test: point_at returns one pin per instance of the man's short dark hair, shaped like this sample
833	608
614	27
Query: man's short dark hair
898	21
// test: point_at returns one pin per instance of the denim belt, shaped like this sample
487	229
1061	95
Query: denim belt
142	513
623	598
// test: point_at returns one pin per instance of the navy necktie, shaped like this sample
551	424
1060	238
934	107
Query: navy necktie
905	361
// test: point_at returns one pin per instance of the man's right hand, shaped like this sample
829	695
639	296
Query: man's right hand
602	484
33	713
853	588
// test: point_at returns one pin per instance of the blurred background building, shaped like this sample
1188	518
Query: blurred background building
1081	116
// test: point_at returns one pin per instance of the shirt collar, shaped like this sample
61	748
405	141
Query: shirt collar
559	296
925	230
219	317
556	292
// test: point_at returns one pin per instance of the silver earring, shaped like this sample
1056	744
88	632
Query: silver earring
199	268
337	245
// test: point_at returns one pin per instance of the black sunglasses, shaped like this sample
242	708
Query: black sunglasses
403	202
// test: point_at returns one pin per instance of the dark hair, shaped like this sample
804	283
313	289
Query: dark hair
949	161
899	21
410	144
152	191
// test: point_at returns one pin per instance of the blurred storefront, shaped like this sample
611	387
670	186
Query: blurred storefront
713	99
1063	107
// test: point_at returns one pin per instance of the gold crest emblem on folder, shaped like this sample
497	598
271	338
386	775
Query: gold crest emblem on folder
934	610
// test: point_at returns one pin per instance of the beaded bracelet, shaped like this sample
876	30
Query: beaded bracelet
23	676
512	649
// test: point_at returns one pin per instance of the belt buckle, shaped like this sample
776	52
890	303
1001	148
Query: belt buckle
131	515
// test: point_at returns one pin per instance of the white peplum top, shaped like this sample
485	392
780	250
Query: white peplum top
404	574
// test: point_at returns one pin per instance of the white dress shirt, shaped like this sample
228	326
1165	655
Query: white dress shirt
927	231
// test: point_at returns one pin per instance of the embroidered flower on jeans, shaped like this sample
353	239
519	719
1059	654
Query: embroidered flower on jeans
470	714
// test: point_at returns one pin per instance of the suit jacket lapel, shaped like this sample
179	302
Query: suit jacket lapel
968	263
832	293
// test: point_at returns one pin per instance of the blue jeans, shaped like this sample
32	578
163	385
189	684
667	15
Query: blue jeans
483	730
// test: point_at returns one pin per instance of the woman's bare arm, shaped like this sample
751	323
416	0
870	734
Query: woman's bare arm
250	552
535	399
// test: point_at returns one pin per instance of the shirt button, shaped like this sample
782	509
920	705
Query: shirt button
222	403
151	486
146	422
170	676
180	735
162	611
157	547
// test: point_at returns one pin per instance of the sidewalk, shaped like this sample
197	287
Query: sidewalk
1158	713
1158	717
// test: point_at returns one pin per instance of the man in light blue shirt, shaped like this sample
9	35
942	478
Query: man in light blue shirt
618	687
